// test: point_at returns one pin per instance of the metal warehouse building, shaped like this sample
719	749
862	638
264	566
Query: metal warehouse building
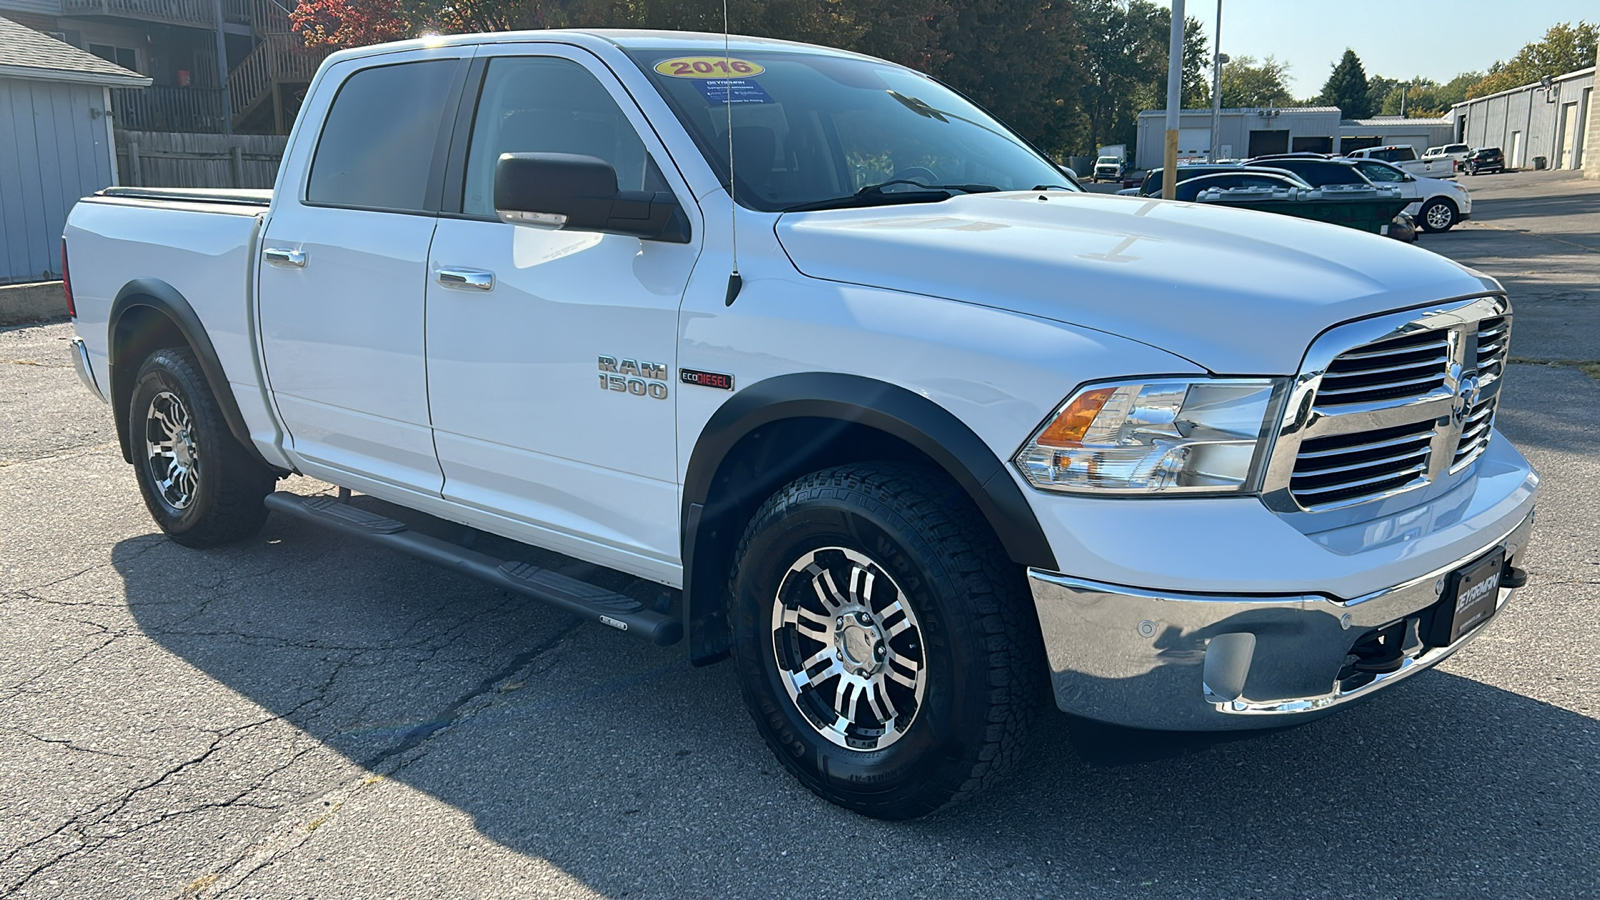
1253	132
1536	121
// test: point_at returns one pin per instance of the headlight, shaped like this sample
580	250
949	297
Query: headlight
1158	436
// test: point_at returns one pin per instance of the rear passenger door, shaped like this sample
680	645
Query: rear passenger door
344	267
551	353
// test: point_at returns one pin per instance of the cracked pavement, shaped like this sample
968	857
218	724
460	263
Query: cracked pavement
305	716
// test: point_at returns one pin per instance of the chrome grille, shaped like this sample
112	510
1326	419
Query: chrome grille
1345	466
1391	404
1405	366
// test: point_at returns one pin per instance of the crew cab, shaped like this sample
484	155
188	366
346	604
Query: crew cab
916	432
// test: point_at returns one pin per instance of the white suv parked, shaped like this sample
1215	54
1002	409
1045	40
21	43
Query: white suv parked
1440	203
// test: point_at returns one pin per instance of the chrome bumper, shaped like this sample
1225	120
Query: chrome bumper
1196	662
80	363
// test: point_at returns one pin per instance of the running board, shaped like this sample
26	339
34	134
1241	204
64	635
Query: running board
580	598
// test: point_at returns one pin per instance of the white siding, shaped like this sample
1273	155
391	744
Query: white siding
53	151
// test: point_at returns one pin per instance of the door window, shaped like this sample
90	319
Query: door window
541	104
377	147
1377	173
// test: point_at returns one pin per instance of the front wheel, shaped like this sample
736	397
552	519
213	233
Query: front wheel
1438	215
201	486
885	643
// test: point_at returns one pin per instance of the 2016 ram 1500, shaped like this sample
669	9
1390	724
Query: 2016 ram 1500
910	427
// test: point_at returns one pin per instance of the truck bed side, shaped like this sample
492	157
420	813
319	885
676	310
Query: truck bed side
195	245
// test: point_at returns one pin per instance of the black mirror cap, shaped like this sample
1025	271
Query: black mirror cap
579	193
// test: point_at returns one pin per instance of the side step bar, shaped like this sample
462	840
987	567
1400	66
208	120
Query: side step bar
580	598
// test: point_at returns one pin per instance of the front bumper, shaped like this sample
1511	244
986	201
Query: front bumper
1207	662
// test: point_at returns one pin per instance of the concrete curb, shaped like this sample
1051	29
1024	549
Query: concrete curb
31	302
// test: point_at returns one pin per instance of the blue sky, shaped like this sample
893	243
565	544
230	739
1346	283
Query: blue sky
1437	39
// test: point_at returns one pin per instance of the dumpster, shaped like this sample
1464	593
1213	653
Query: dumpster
1362	207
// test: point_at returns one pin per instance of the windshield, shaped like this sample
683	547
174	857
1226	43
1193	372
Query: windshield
1109	159
810	128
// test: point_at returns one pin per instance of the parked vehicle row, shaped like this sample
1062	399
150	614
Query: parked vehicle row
1404	157
1437	204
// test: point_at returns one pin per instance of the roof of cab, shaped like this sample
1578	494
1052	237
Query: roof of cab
625	39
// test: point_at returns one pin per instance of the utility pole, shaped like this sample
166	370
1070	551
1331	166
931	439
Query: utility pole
1169	178
1218	58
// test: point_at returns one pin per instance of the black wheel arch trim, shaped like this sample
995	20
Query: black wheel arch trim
165	299
893	410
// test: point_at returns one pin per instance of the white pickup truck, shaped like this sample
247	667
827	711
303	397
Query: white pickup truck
1404	158
915	431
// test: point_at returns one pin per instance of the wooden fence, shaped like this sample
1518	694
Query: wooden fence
168	159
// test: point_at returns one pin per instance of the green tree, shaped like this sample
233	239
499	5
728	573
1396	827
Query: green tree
1564	48
1378	90
1347	88
1247	83
1124	66
1424	97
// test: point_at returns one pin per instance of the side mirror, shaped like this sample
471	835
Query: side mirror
579	193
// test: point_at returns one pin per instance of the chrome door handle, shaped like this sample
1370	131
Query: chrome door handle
467	279
280	257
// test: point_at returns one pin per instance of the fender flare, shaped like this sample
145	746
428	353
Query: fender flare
165	299
893	410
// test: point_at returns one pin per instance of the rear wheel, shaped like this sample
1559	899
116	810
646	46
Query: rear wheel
885	643
1439	214
201	486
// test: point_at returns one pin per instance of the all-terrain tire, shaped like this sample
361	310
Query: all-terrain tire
899	536
201	486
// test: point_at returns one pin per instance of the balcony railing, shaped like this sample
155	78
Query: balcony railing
173	12
167	109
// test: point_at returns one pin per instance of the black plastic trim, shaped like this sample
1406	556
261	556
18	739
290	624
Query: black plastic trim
165	299
857	400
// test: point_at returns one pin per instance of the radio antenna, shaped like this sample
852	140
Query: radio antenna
734	281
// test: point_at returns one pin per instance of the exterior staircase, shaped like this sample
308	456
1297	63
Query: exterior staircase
266	87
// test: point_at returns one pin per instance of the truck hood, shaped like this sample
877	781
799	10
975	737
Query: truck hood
1235	291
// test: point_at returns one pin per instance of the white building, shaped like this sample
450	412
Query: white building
1533	122
1252	132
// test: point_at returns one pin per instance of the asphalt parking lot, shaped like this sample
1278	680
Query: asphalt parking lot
303	716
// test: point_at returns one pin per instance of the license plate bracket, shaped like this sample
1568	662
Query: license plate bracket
1471	596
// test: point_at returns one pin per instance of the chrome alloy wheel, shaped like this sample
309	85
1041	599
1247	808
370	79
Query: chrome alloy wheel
170	450
852	661
1440	216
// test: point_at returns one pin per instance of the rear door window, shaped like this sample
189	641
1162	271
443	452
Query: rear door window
378	145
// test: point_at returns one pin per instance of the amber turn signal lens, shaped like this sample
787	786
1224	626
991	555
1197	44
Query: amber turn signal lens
1070	425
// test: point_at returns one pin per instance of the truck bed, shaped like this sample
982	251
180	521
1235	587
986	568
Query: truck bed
233	196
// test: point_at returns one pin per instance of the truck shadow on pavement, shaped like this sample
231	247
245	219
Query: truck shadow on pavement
628	769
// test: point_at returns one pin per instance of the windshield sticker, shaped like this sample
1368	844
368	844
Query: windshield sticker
707	67
733	90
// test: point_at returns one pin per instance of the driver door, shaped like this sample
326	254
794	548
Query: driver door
550	353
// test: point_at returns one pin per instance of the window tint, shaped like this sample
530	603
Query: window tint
1319	173
540	104
377	146
1380	173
